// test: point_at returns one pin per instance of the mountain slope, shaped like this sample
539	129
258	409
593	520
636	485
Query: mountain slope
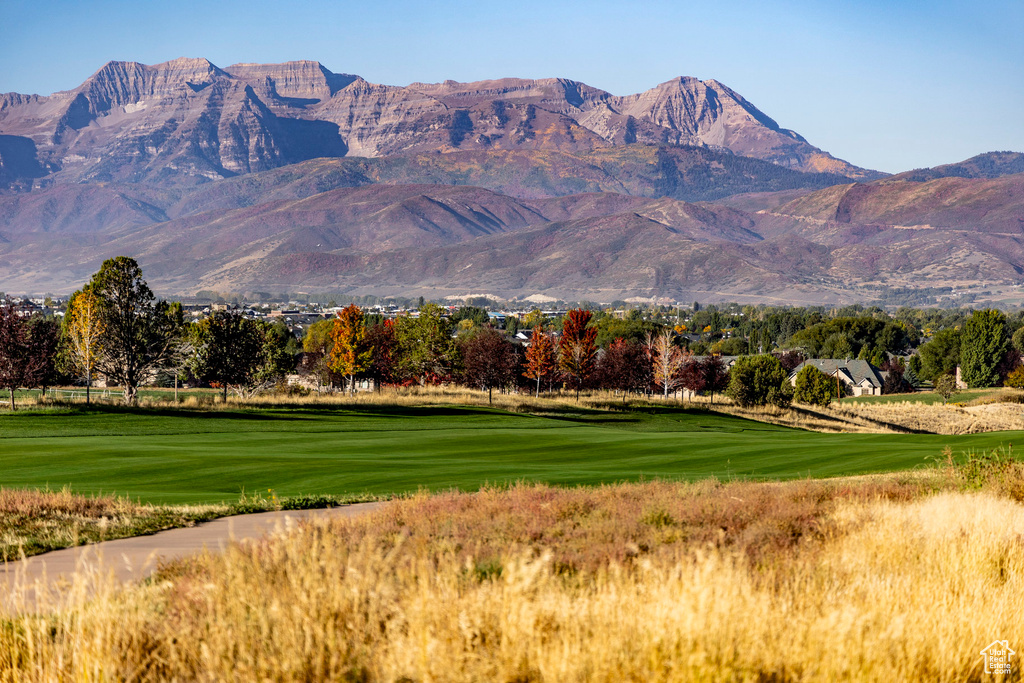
970	204
835	244
988	165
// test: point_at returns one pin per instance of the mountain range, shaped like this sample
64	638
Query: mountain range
289	176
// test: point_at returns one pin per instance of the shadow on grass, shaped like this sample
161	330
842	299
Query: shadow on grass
663	418
264	412
613	415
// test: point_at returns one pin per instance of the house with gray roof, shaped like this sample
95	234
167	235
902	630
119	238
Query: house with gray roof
860	377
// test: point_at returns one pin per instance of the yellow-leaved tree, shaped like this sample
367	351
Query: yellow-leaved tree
667	361
83	333
350	354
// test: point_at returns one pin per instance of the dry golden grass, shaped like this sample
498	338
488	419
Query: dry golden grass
34	521
937	418
873	579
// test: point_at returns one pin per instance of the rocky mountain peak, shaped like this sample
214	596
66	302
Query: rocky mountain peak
215	122
304	79
120	84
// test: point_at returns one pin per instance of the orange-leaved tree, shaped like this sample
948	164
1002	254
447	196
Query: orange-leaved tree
83	332
576	350
540	356
350	354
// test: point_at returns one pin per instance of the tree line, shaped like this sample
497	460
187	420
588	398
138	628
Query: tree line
115	327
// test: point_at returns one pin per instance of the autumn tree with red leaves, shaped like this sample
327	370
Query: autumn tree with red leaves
716	375
576	349
16	362
691	374
624	366
383	362
489	360
540	356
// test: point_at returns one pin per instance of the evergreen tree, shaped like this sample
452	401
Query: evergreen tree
983	345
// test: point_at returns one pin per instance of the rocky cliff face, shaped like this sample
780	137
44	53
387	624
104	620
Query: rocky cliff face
188	120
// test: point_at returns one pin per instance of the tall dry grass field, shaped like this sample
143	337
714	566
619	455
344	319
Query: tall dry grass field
875	579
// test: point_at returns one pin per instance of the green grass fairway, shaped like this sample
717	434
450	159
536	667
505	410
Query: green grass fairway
191	456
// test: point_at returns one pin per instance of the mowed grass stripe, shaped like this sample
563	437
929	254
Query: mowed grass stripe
302	452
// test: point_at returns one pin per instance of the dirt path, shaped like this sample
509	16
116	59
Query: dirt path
42	578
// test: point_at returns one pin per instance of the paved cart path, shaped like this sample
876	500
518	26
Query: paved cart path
25	582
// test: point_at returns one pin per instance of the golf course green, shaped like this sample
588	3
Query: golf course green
183	456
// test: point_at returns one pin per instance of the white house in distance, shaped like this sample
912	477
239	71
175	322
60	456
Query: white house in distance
860	377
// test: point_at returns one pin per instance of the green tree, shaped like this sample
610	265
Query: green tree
426	351
316	347
733	346
139	333
814	387
228	350
983	345
633	329
759	380
280	351
837	345
475	314
940	356
1018	339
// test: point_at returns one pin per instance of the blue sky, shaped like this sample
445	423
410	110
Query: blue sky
889	85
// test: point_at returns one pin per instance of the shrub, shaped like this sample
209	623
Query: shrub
1016	378
759	380
945	386
895	380
814	387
